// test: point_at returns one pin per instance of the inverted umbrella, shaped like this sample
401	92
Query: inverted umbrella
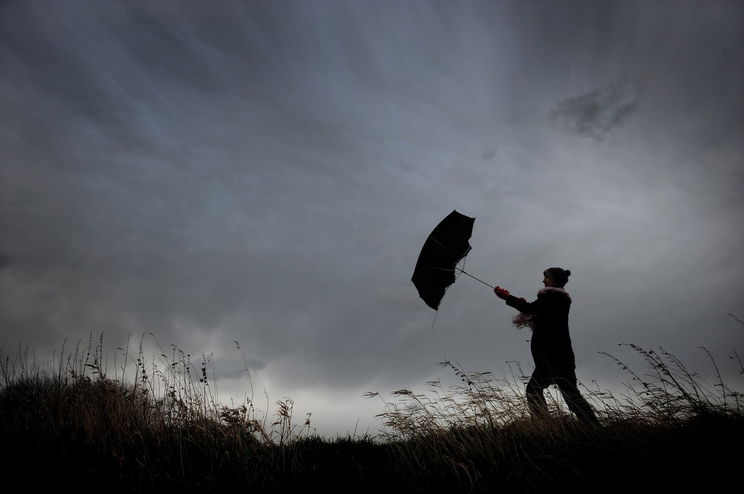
443	249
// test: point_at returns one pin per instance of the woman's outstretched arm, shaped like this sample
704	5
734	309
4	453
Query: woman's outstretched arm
518	303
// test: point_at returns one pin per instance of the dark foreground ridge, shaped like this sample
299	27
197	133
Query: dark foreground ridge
94	434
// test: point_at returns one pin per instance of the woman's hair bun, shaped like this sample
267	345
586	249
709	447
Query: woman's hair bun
568	272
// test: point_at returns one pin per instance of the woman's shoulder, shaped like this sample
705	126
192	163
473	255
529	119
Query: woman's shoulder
552	293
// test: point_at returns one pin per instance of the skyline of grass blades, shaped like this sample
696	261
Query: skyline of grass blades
84	417
668	391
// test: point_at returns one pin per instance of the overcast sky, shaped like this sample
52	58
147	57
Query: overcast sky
267	172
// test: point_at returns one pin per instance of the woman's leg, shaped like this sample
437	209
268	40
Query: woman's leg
535	397
576	403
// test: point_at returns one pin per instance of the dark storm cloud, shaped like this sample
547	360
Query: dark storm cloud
123	156
266	173
597	112
5	262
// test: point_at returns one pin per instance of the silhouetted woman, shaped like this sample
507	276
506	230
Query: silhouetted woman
550	345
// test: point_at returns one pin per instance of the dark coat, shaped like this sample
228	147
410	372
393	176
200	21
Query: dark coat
551	343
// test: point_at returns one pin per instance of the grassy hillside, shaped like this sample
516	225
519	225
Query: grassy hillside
77	427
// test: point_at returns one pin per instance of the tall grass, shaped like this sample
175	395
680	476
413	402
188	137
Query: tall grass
171	391
153	424
133	426
670	428
667	392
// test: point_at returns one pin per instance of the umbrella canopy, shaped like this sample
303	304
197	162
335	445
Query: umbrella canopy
446	245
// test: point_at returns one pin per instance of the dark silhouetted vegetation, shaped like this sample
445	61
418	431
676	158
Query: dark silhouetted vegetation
77	427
